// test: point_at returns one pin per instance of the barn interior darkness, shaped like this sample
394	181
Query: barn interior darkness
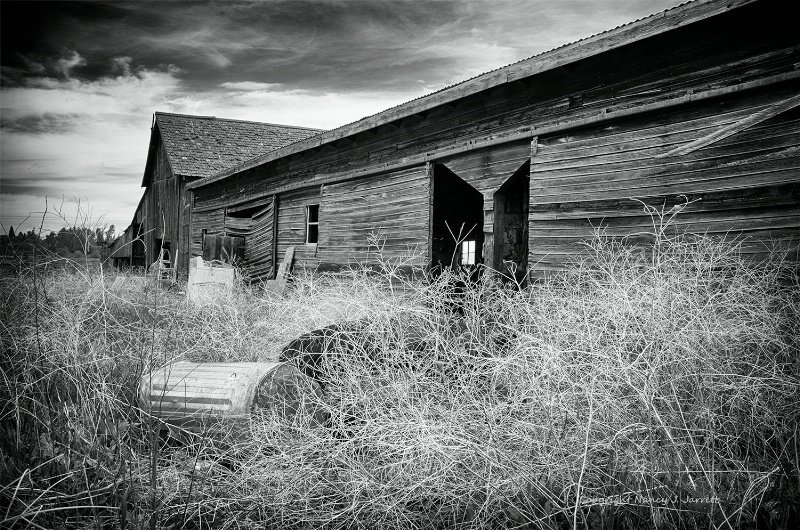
457	217
511	224
244	213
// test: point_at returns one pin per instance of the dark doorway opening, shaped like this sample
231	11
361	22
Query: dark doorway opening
162	252
138	254
244	213
227	249
511	205
456	221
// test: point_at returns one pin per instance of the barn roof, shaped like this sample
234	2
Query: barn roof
200	146
643	28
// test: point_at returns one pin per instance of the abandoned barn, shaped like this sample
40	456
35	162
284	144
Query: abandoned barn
515	167
184	149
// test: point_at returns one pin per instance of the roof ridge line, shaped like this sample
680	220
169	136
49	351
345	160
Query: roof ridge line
651	16
161	112
239	121
693	11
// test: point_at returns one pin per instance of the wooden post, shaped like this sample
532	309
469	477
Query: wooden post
274	236
529	259
488	229
429	170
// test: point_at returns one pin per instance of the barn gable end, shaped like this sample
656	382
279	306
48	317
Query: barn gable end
184	149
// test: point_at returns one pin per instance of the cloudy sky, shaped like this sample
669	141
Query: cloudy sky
81	80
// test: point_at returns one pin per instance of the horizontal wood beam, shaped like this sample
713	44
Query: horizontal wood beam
250	203
611	114
518	134
523	133
733	128
239	201
651	26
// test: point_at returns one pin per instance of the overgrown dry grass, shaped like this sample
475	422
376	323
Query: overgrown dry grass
656	389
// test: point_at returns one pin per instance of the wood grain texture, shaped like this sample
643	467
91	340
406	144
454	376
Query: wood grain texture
392	208
487	169
648	28
621	86
660	91
746	184
212	222
161	208
259	248
733	128
291	226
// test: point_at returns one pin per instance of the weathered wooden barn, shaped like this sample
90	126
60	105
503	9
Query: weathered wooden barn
697	102
128	249
183	149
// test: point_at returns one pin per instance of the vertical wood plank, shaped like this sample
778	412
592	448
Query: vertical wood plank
488	238
431	191
275	206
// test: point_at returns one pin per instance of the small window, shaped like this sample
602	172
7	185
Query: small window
468	252
312	224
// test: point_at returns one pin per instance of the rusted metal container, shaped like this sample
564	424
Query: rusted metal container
222	396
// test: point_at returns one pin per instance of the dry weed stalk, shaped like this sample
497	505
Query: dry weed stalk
620	391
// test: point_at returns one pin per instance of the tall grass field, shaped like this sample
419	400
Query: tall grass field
655	388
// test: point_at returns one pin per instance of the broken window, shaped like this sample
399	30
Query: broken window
312	224
468	252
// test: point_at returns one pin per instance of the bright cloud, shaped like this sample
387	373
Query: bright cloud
250	85
70	138
73	138
76	122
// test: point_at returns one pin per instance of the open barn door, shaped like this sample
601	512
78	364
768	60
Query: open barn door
456	221
511	224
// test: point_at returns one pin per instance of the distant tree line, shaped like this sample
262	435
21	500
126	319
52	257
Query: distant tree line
70	242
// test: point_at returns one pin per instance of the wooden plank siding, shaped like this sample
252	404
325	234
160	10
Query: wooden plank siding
487	170
184	221
671	29
584	164
291	228
392	206
258	249
748	184
659	70
161	211
121	247
212	222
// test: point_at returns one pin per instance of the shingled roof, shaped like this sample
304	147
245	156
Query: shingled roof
200	146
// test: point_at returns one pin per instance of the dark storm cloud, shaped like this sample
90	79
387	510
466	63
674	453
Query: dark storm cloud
39	124
27	187
81	80
325	45
328	45
36	36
